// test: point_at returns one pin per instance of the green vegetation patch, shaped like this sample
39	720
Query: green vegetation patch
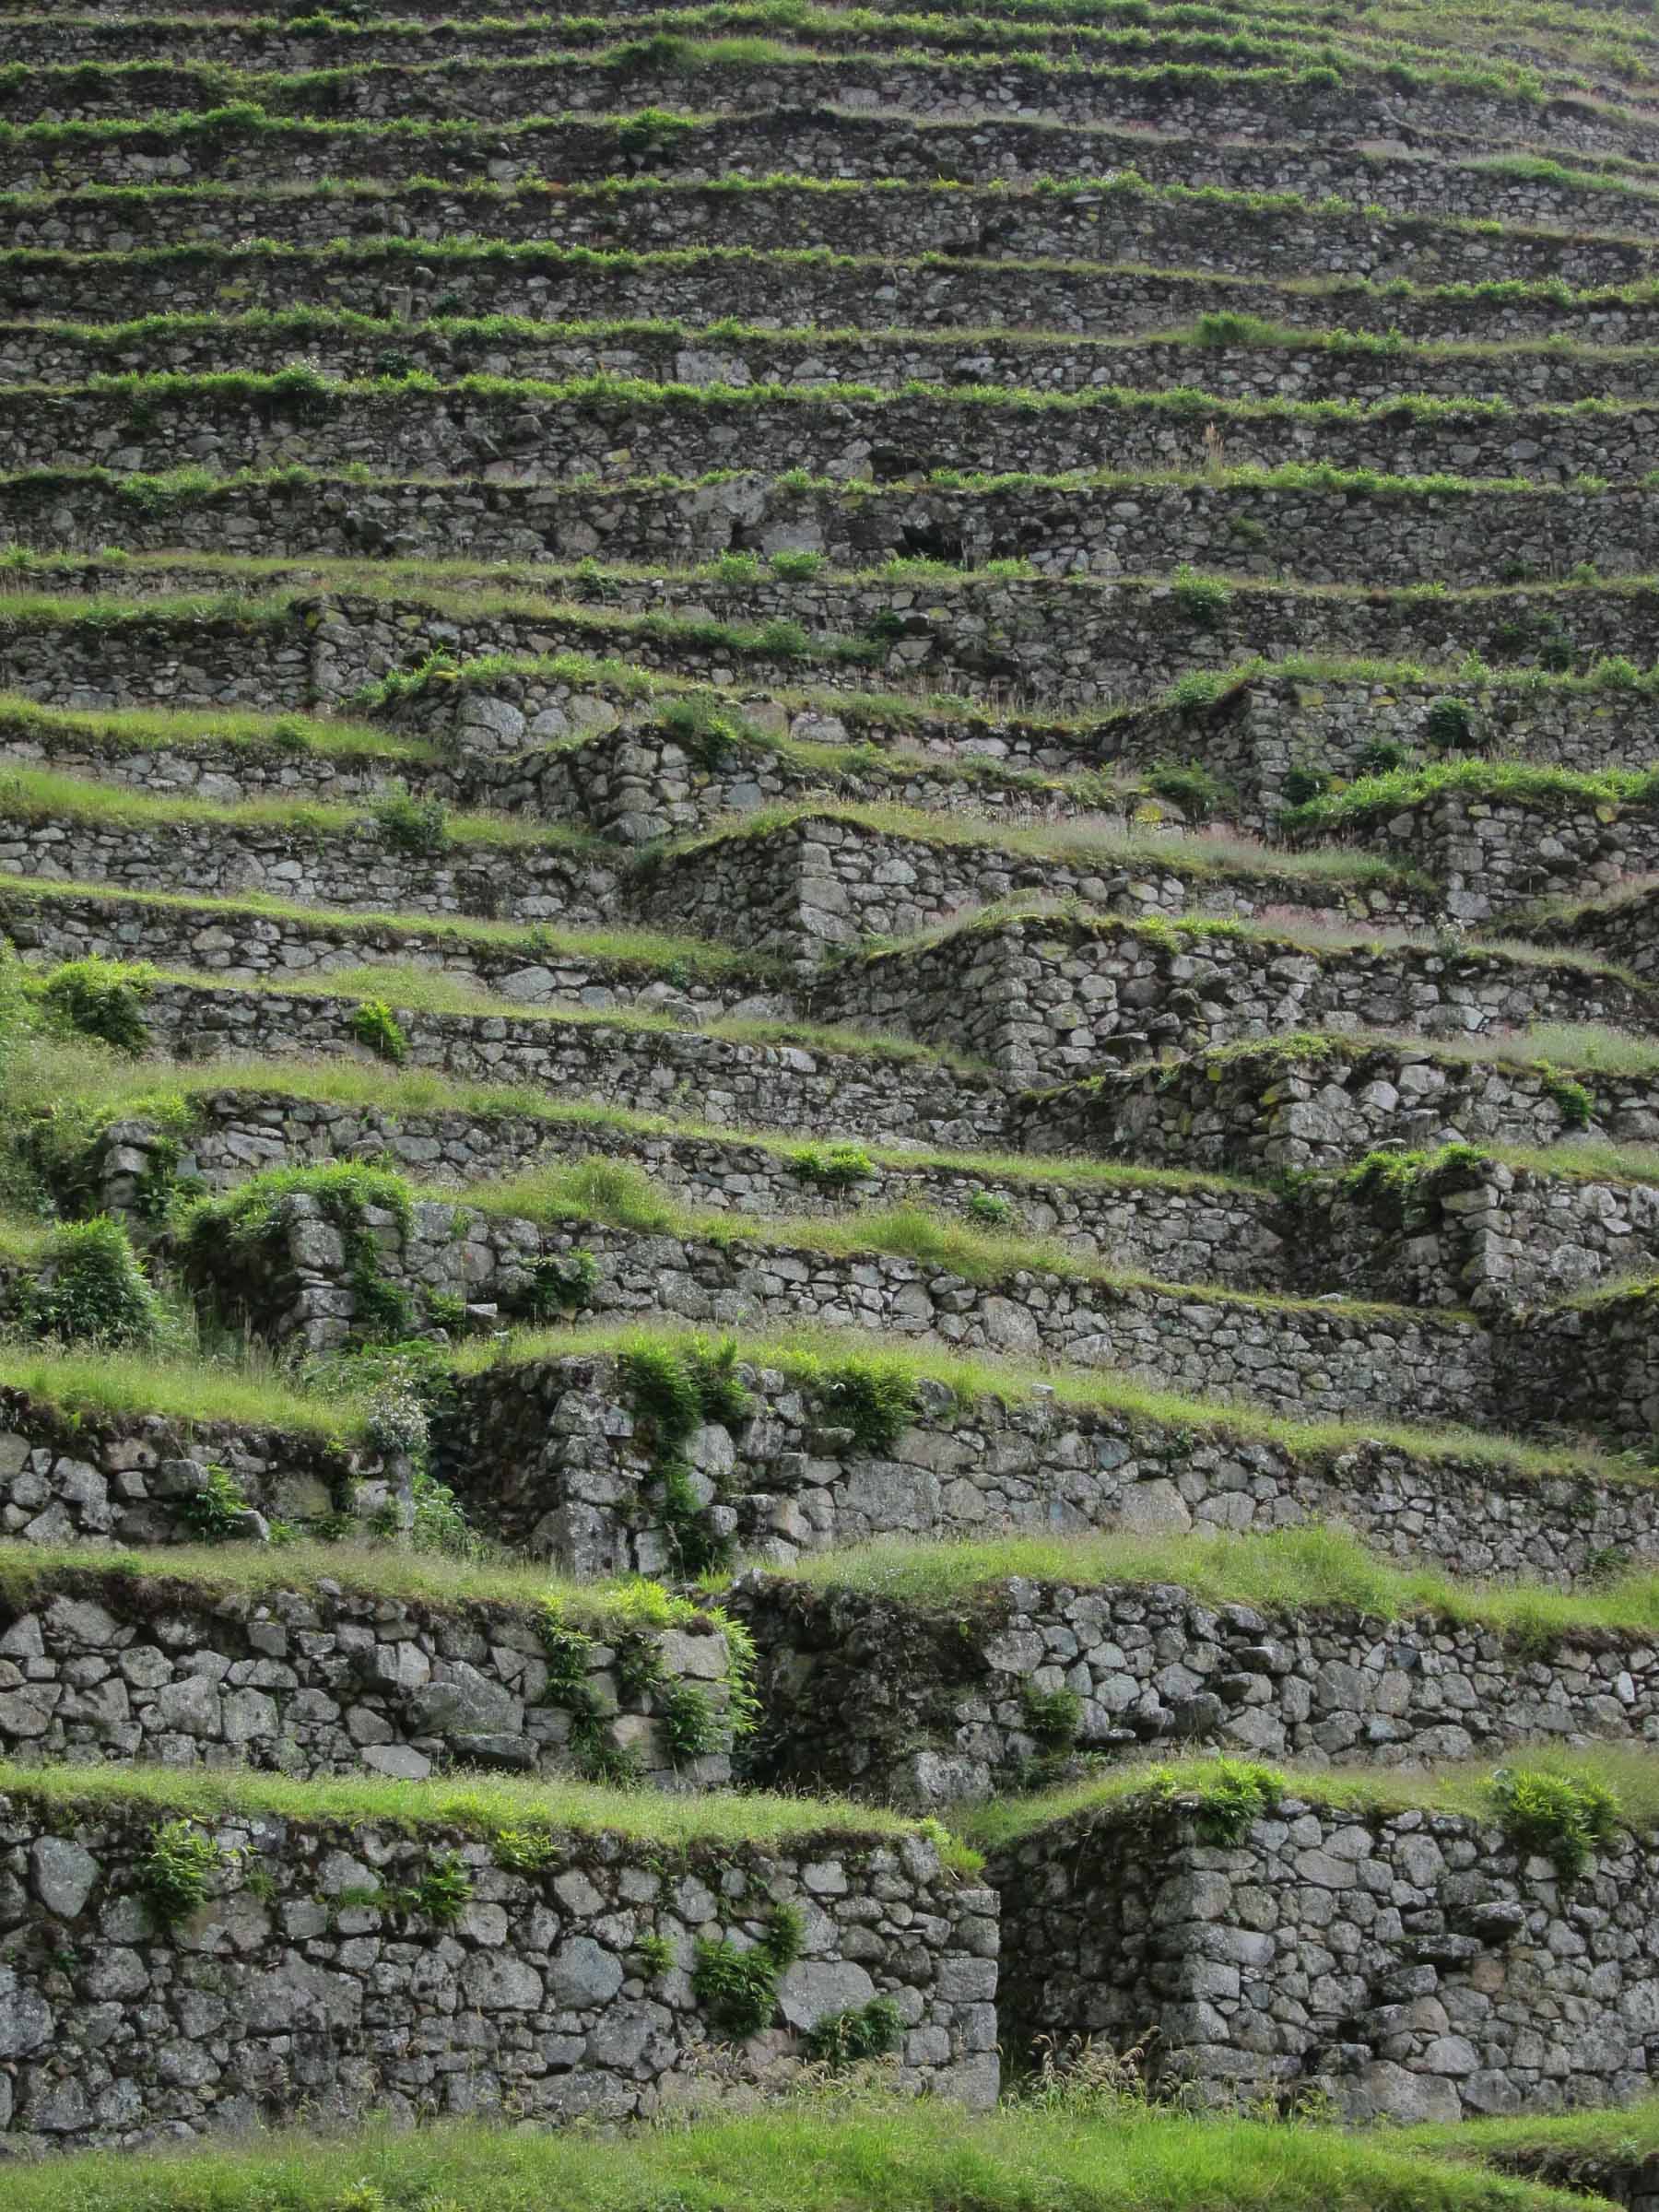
818	2157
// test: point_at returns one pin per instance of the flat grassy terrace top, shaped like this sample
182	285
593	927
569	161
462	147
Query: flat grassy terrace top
916	2157
1631	1776
480	1804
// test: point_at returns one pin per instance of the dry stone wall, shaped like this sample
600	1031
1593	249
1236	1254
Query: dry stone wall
945	1706
551	1454
315	1992
1411	1965
328	1680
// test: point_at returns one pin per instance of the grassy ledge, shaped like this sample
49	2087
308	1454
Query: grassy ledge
881	2158
481	1805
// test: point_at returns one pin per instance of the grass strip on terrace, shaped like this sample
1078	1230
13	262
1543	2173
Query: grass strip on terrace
1034	915
149	729
200	88
37	795
31	1572
478	1805
254	1394
1289	1570
882	2156
301	384
1632	1775
1206	334
1371	799
1568	1048
1205	855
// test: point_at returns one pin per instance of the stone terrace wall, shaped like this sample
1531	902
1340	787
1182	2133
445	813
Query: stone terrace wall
100	1479
823	142
1493	855
302	1998
1410	1965
1103	227
549	1457
823	1095
357	869
824	883
446	348
1324	535
245	946
328	1681
935	1700
537	439
1207	1234
968	292
294	1286
1042	1000
1262	106
1326	1102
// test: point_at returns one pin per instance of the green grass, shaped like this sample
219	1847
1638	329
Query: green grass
1632	1775
36	794
1372	799
30	1572
112	1384
1287	1572
142	729
481	1805
805	2156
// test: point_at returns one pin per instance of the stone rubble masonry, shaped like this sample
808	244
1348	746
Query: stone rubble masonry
1410	1965
843	144
1480	1234
1491	855
330	1680
1324	1101
293	1288
530	437
933	1705
553	352
803	1091
250	945
300	1996
926	92
92	1478
1045	998
1325	535
548	1457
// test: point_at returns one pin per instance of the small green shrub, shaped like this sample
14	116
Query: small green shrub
691	1726
411	825
561	1283
1231	1797
656	1954
991	1208
215	1512
738	1989
842	2039
174	1872
1449	726
100	998
1381	757
523	1850
833	1167
1301	784
92	1288
1053	1716
1554	1817
444	1889
1575	1103
876	1404
374	1024
801	565
1203	599
1189	786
